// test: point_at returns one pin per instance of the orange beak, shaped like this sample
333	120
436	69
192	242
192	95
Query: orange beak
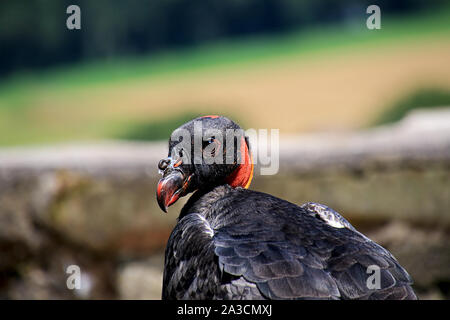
170	189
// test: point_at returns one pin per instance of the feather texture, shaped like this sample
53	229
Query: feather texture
241	244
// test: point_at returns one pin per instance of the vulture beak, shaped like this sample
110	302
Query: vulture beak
169	189
173	184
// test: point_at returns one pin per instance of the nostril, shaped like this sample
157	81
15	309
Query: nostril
162	165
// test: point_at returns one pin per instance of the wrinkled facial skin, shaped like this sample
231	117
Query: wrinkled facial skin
184	171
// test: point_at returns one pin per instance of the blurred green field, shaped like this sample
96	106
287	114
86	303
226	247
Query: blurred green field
423	98
263	81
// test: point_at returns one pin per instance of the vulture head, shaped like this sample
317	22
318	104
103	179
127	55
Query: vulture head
203	153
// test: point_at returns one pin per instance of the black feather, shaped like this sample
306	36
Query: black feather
241	244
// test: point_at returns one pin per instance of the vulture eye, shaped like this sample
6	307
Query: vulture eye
207	142
212	145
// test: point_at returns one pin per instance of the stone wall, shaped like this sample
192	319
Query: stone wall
93	205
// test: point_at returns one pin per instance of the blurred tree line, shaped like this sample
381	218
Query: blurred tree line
33	33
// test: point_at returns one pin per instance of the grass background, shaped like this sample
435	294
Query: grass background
327	78
422	98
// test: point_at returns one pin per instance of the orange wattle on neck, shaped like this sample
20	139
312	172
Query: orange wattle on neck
242	175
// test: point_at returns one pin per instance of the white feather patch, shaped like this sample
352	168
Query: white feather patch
328	215
207	227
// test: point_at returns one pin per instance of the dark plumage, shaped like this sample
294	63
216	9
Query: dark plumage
235	243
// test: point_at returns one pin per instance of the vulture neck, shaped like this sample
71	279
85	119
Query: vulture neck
202	200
